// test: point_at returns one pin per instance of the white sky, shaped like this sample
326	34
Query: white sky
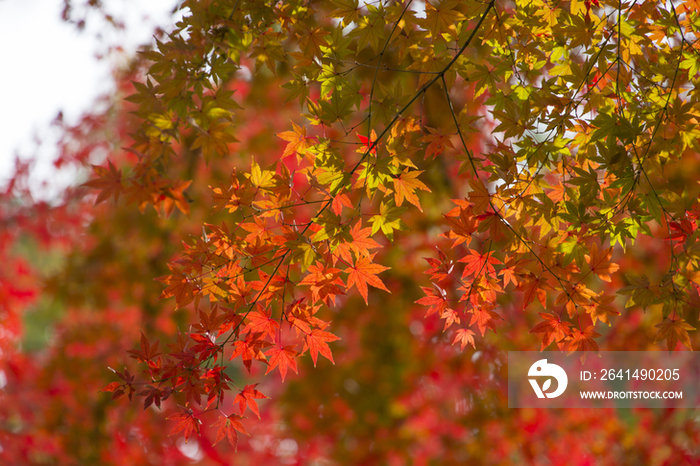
48	66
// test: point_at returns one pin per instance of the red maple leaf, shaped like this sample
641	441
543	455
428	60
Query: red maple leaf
247	398
228	425
147	352
369	142
188	423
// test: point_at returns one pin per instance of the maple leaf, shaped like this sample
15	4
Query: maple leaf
179	285
583	341
673	331
388	220
478	264
247	397
228	425
535	288
368	143
108	181
147	353
442	18
600	309
451	317
325	283
640	289
187	423
361	243
463	223
119	389
260	178
484	317
297	141
282	358
110	387
510	273
249	349
405	186
349	10
479	196
210	323
599	262
679	231
154	395
435	300
175	197
436	143
338	202
440	268
262	322
317	342
465	337
364	273
553	329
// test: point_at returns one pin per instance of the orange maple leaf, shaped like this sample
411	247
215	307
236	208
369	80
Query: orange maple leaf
282	358
405	186
599	262
298	142
179	285
435	300
600	309
484	317
479	196
673	331
365	273
174	197
317	342
263	323
465	336
463	223
437	142
479	264
324	283
338	202
583	341
553	328
249	349
361	243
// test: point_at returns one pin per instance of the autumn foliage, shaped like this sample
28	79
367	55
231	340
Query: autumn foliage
331	220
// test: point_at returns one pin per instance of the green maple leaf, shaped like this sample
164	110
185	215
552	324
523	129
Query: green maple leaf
388	220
